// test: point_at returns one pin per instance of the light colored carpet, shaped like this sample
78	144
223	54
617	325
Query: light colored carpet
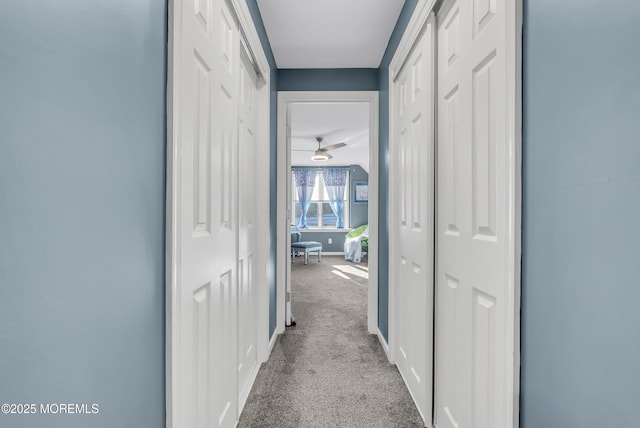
328	371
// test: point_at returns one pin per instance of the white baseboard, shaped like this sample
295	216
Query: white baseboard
384	344
272	342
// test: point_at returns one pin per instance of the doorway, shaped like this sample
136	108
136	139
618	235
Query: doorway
288	104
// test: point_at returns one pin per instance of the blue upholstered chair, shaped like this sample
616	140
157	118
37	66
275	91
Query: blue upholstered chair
305	247
295	234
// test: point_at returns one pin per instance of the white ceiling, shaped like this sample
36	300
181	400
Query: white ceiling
336	122
329	33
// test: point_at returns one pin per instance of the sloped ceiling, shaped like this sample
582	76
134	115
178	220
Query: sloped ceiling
335	122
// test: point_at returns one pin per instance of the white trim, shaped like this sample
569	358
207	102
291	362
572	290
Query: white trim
514	12
414	28
172	225
372	213
391	271
283	217
248	30
385	345
172	249
272	341
263	198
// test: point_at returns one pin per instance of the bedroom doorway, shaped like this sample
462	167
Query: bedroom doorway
327	188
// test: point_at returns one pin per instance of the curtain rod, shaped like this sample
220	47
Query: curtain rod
321	167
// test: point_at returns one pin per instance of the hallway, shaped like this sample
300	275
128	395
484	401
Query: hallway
141	216
328	371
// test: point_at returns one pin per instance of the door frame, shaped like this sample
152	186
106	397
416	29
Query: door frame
414	29
173	251
283	261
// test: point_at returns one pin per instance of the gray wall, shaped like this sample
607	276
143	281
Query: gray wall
273	148
581	270
82	203
358	212
383	167
328	79
337	245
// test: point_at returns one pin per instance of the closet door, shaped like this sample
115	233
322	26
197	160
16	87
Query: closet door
412	196
206	318
474	326
247	243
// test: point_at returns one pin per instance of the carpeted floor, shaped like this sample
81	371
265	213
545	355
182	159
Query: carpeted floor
328	371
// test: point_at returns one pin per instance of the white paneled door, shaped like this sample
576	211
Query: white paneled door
207	393
412	198
474	323
247	242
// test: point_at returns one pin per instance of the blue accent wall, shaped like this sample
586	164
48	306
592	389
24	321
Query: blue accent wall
337	246
581	172
82	203
273	149
358	211
383	167
328	79
82	210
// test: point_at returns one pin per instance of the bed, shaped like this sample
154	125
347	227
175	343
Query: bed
356	244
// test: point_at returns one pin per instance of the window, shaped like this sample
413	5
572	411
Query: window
320	215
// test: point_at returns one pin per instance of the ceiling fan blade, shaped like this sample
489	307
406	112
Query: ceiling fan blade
333	147
314	136
329	156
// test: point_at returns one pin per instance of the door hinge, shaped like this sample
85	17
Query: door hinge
288	296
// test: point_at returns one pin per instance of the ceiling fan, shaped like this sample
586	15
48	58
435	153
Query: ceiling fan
321	153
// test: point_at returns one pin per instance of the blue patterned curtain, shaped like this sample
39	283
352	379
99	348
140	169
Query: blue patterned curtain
335	179
305	181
